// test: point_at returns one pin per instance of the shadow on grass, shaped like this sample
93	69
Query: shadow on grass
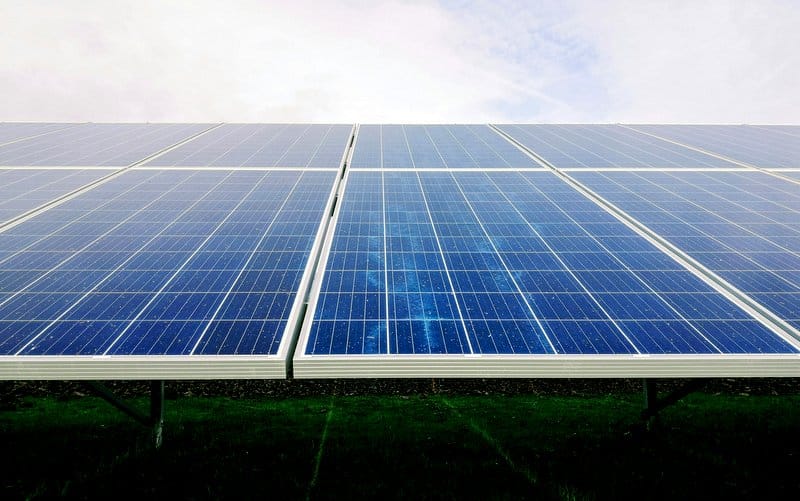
407	446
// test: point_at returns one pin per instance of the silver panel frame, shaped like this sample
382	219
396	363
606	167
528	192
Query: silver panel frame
545	366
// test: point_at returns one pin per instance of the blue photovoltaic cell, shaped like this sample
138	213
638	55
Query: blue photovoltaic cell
435	146
605	146
757	146
16	131
263	145
24	189
507	263
745	226
162	262
104	145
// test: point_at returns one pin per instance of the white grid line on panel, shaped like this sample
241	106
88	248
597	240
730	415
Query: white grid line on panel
180	268
246	263
110	273
764	315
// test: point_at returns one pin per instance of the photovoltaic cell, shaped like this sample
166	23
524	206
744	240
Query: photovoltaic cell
435	146
15	131
105	145
263	145
757	146
162	263
22	190
745	226
507	263
605	146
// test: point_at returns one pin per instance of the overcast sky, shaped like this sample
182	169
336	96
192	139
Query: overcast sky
401	61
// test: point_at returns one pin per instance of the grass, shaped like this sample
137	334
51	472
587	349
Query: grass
435	446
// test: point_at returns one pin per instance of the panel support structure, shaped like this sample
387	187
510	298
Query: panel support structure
154	420
653	404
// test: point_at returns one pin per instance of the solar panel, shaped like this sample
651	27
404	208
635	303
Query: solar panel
792	130
16	131
745	226
22	190
753	145
173	262
450	252
502	264
605	146
435	146
108	145
262	145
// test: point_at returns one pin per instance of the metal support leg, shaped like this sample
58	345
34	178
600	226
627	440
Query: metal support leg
157	411
154	421
649	414
653	404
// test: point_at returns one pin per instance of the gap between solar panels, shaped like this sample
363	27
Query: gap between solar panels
304	293
83	189
754	308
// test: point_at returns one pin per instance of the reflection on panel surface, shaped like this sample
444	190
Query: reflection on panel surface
759	146
435	146
262	145
105	145
606	146
507	263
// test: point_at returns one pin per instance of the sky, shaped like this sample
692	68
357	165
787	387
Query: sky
451	61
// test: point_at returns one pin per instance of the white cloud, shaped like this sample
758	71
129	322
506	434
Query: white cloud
689	61
399	61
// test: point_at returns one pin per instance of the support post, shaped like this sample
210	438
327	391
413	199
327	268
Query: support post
154	421
157	412
650	414
653	404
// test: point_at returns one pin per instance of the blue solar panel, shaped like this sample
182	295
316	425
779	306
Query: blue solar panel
24	189
97	144
605	146
162	262
507	263
754	145
16	131
435	146
745	226
451	250
263	145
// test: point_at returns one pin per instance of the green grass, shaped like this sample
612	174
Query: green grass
433	446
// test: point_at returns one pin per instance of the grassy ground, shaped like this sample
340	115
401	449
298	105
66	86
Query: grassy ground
434	446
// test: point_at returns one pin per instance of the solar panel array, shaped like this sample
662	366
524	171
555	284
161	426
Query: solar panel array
163	251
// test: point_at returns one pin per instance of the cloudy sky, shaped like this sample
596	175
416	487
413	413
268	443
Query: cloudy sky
401	61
